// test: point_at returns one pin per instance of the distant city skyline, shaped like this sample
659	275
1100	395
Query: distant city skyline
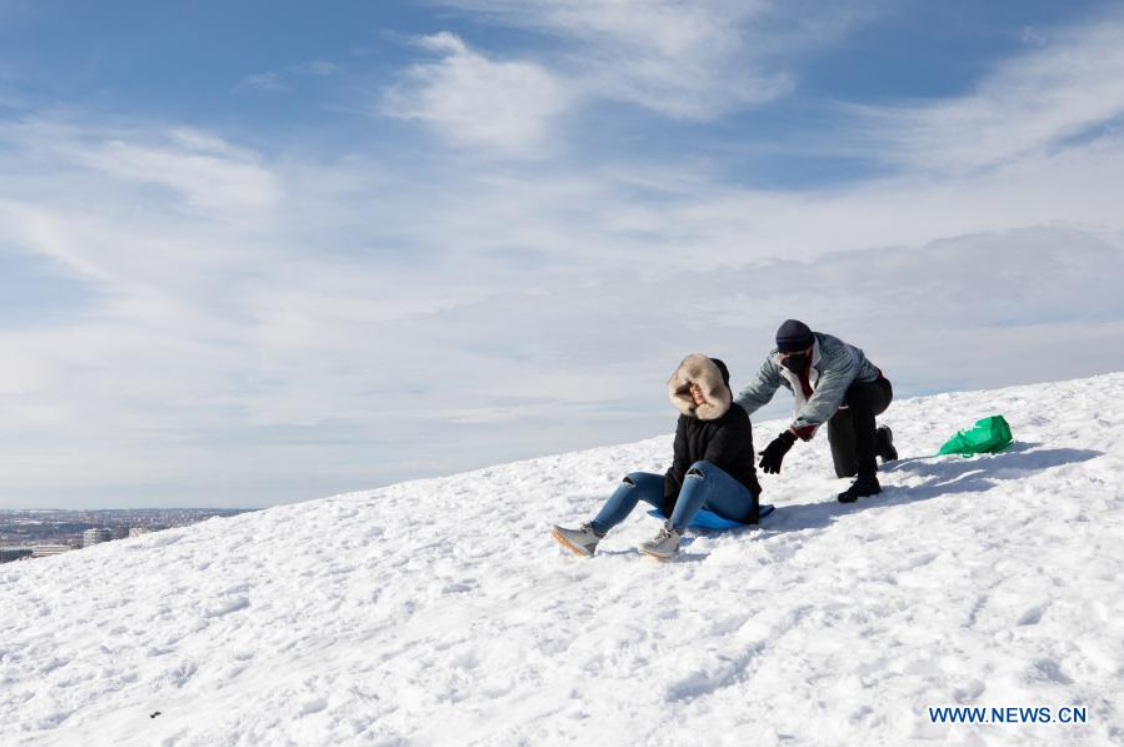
34	533
265	252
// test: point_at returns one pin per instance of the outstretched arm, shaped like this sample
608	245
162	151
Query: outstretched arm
760	391
831	389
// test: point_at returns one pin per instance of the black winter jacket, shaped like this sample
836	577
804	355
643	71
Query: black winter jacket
726	442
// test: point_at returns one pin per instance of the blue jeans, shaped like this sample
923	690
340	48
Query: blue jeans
704	486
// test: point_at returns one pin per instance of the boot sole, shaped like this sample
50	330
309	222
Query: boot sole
841	499
570	545
661	558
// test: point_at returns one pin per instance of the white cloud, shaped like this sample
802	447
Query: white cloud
689	60
210	175
505	107
273	81
1030	36
269	81
693	61
1032	104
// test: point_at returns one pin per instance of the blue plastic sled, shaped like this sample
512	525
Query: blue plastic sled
709	520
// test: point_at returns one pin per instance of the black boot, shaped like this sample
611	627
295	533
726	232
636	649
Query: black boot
886	448
863	486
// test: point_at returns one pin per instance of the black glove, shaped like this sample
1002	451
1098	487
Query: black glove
773	454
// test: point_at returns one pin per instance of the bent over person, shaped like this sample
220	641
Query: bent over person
834	383
712	467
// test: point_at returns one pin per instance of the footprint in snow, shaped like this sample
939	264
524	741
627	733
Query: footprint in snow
1032	616
227	607
313	706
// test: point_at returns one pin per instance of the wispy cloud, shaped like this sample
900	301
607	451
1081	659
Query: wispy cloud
693	61
280	81
504	106
687	61
1032	104
269	81
207	173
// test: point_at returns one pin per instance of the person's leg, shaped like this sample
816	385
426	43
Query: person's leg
864	401
841	437
636	487
861	400
710	487
881	395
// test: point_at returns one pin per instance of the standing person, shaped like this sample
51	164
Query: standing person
712	467
833	383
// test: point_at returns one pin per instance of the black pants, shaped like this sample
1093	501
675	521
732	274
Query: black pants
852	431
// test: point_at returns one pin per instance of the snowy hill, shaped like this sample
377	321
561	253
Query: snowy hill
440	611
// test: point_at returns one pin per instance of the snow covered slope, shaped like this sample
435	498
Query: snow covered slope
440	611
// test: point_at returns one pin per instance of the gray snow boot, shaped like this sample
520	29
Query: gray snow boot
581	541
665	544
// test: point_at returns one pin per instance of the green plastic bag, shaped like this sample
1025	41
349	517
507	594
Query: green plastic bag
989	436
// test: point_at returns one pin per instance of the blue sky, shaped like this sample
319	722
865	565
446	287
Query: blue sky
261	252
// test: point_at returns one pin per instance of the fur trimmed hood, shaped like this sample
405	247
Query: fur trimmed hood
699	369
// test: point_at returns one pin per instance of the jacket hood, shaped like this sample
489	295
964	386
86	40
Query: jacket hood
699	369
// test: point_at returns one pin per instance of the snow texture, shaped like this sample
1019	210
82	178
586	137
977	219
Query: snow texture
441	612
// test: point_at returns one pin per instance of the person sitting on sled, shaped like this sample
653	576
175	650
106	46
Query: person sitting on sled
832	382
712	467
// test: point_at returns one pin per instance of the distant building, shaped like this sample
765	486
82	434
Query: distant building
138	531
42	551
120	532
8	554
92	537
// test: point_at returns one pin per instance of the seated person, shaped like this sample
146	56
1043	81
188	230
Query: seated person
713	466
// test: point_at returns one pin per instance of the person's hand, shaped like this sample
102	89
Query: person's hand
773	455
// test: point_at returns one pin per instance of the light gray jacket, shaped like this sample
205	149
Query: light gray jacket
835	366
